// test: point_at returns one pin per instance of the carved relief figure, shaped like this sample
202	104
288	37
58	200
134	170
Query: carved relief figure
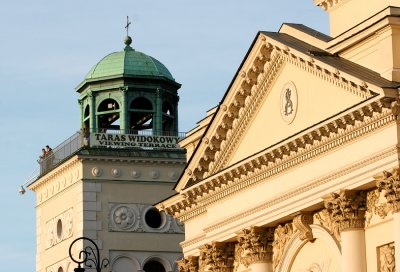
318	267
386	258
281	237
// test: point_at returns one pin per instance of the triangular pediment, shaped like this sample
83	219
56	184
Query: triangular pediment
283	87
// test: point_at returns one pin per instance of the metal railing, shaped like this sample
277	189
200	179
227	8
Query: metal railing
81	139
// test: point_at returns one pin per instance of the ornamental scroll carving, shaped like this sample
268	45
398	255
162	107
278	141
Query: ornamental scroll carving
347	209
217	257
386	258
59	228
389	184
255	245
189	264
302	224
282	236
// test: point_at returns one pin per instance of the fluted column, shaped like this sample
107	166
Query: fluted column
256	248
347	209
217	257
389	184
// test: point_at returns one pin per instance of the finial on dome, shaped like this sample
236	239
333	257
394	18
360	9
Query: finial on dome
128	39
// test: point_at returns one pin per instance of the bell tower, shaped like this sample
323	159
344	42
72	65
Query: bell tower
131	92
101	183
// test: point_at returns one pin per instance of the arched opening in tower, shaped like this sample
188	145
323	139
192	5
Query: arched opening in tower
141	114
108	115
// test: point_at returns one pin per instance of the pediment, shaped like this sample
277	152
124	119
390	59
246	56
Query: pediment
278	92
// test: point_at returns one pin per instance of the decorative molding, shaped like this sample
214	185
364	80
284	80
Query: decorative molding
386	258
388	182
281	158
301	223
328	4
252	87
323	218
193	241
131	217
59	228
255	245
375	206
217	257
189	264
282	236
347	209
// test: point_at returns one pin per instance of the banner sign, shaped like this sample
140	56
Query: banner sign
132	140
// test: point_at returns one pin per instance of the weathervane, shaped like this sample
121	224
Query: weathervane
127	25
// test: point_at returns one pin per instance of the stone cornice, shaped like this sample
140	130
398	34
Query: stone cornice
278	159
55	173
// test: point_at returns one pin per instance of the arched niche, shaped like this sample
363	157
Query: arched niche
323	254
124	263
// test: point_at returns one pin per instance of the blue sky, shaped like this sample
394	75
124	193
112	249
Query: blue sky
47	47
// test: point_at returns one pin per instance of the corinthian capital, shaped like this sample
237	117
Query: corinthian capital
347	209
217	257
189	264
389	184
256	245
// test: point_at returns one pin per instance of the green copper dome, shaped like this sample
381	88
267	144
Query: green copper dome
128	62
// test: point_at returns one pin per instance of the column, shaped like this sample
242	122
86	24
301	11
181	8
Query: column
92	112
347	209
389	184
256	248
157	122
217	257
123	114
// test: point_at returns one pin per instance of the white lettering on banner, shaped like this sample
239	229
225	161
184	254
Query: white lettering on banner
131	140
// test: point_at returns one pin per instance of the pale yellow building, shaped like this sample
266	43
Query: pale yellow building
102	182
297	169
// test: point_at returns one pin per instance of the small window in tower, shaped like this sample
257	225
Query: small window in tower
153	218
59	228
60	269
108	115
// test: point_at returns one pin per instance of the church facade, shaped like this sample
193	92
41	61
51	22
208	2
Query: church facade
297	169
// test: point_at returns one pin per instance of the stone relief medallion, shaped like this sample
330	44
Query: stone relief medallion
136	173
115	172
288	102
123	217
97	172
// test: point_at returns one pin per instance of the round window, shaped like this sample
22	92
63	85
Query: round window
153	218
153	266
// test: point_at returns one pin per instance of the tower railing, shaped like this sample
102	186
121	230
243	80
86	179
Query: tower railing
134	139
